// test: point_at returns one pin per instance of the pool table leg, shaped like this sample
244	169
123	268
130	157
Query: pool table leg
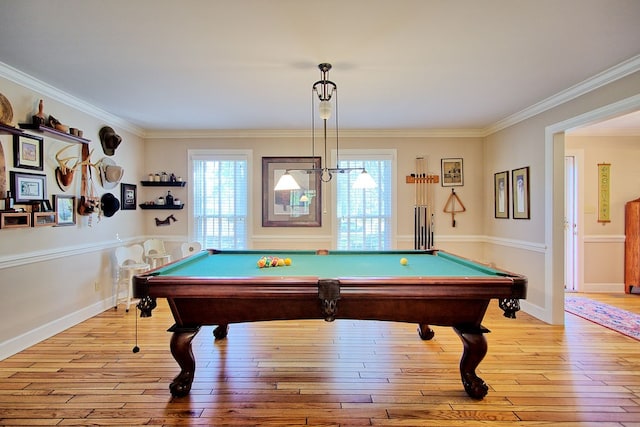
475	348
425	332
221	331
182	353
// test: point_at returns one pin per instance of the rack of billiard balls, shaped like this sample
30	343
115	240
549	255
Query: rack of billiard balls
273	261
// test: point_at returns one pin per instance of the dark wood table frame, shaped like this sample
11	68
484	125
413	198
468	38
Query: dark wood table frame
440	301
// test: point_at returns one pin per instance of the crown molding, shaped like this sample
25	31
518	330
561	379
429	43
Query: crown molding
612	132
303	133
49	91
614	73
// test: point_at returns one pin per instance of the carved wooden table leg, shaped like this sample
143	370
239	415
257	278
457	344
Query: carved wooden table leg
425	332
475	348
221	331
182	353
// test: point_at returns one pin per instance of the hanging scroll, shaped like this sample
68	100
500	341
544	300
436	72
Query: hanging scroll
604	175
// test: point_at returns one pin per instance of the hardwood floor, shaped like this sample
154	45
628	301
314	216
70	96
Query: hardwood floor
348	373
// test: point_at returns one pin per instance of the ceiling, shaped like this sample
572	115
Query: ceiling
250	64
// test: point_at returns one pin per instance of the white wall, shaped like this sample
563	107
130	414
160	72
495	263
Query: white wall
535	247
54	277
603	245
170	153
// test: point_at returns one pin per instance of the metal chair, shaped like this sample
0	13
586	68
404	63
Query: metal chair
130	263
190	248
155	253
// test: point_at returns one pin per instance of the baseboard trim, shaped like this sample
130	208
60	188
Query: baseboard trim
535	311
602	287
21	342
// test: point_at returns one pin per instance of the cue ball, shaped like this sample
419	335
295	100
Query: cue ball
404	261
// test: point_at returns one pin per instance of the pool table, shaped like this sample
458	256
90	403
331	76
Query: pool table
217	287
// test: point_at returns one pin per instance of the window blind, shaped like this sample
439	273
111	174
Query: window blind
364	216
220	194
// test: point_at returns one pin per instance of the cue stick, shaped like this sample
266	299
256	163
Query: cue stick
425	190
416	224
417	206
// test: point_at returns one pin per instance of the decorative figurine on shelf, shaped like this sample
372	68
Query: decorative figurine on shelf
55	123
172	178
166	221
39	118
169	199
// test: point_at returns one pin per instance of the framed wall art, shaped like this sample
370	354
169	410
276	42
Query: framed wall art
520	181
452	173
27	152
128	197
501	194
28	187
65	207
291	208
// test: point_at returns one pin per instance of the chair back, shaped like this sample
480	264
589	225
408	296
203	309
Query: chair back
129	255
190	248
154	246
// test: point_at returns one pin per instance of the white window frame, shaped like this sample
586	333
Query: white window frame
221	154
366	154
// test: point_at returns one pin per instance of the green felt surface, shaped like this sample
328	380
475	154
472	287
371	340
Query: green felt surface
334	265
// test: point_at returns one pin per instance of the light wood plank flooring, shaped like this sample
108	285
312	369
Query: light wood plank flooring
346	373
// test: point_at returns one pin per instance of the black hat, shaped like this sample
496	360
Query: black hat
110	140
109	204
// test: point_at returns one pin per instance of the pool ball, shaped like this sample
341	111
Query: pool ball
287	261
404	261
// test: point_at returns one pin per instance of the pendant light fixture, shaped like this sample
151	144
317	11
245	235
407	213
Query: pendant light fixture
325	93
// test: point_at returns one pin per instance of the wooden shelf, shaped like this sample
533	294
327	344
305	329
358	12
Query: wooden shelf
54	133
163	184
158	207
6	129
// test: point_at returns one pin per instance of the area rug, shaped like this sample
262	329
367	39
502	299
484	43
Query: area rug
616	319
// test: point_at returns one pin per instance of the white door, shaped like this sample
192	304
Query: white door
570	225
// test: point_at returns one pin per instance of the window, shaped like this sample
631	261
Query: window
220	198
365	218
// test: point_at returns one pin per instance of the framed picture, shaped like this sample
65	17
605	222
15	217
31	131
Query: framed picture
520	181
128	197
291	208
452	174
27	152
28	187
501	194
65	208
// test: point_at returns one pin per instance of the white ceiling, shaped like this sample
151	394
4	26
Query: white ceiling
250	64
